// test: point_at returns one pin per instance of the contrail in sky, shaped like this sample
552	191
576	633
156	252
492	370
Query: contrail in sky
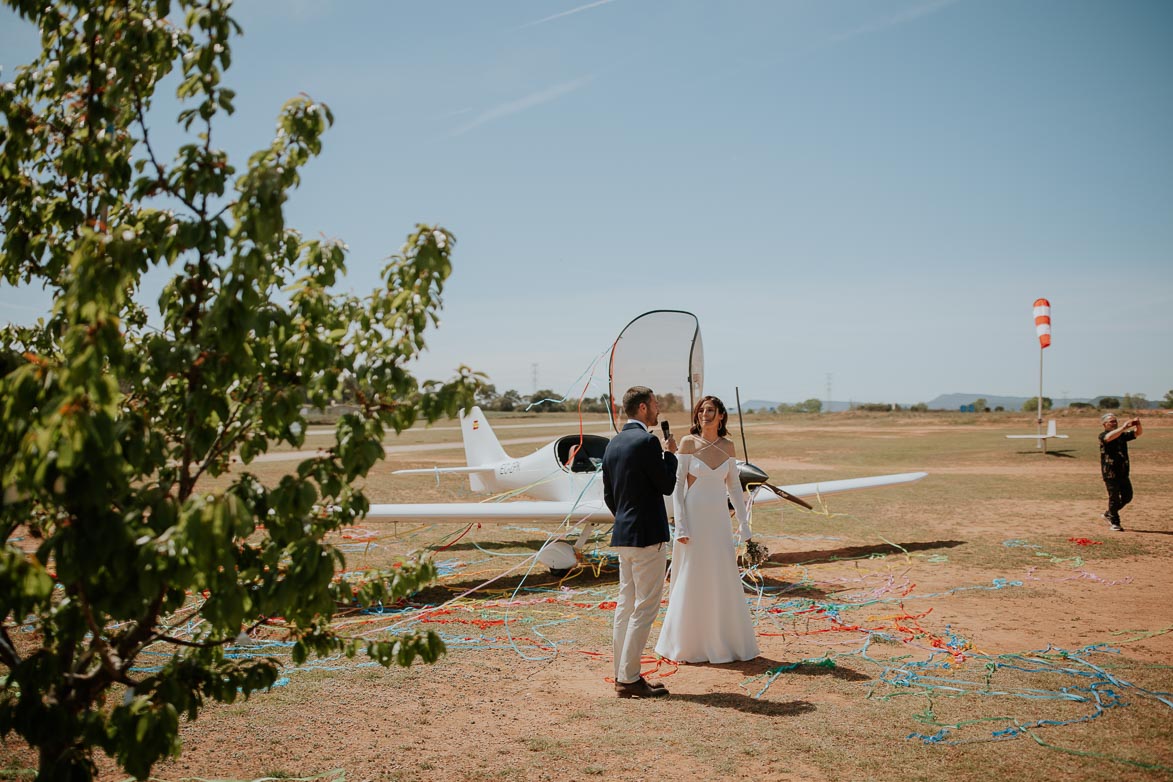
903	17
898	19
521	104
566	13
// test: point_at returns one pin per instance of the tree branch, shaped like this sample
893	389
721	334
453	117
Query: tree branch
222	444
209	644
8	653
110	661
160	172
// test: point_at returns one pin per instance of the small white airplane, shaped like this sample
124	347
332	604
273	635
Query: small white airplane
565	479
660	349
1041	439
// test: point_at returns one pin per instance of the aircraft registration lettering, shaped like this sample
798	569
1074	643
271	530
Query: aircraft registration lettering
508	468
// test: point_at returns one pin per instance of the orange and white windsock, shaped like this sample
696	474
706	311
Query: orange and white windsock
1043	322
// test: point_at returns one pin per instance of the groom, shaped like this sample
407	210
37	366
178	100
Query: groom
637	474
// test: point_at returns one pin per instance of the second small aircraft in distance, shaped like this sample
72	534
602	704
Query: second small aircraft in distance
1040	439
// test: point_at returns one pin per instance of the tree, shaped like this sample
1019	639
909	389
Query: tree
981	405
1167	403
486	396
812	406
670	402
509	401
593	404
1135	402
1032	405
547	401
110	429
1108	403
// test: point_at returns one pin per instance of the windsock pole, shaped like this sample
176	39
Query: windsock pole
1042	313
1042	443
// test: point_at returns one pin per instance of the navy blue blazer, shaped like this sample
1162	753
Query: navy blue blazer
637	474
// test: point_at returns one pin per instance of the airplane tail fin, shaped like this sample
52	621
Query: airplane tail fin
1051	428
480	445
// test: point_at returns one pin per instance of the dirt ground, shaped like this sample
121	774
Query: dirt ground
980	623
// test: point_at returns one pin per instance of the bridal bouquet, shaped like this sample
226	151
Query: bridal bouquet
755	553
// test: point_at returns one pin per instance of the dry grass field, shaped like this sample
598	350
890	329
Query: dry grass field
980	624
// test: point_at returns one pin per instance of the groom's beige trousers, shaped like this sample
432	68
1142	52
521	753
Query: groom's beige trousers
641	587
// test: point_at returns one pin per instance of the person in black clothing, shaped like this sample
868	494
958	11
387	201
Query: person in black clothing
638	472
1114	464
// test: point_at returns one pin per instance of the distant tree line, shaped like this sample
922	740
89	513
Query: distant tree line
809	406
892	407
546	400
1127	402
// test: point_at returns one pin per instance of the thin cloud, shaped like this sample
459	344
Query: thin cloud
903	17
14	305
521	104
586	7
907	15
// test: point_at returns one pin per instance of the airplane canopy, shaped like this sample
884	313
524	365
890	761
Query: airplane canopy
662	350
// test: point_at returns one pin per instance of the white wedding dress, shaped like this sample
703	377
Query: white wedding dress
708	619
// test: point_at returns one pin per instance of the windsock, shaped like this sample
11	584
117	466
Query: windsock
1043	322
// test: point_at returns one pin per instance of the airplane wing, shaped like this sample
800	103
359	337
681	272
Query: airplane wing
448	470
493	512
763	495
1035	436
556	512
1043	436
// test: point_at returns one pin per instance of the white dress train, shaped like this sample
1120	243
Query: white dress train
708	619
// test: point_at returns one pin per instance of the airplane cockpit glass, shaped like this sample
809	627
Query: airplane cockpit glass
581	453
661	350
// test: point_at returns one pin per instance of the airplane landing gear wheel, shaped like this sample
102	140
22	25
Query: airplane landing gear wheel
560	557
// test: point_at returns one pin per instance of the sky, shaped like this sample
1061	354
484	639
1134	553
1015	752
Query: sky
856	196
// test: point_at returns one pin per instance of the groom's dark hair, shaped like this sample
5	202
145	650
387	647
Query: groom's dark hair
636	396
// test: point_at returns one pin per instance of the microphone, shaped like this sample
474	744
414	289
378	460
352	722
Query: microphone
664	429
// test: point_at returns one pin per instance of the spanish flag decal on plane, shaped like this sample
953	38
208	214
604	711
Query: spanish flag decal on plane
476	424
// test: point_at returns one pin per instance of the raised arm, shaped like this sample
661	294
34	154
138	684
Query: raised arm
660	465
1131	423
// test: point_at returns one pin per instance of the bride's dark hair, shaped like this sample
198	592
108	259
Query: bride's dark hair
717	403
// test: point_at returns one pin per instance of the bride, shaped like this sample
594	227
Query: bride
708	619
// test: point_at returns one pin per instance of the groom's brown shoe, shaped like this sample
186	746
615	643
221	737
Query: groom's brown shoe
653	685
640	689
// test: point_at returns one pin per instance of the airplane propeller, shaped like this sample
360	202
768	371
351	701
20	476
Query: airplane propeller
752	475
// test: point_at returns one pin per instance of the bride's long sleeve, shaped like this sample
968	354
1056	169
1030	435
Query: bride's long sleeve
682	461
738	500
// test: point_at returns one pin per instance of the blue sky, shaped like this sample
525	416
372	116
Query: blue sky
875	190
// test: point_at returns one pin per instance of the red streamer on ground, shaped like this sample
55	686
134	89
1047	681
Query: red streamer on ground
1084	541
